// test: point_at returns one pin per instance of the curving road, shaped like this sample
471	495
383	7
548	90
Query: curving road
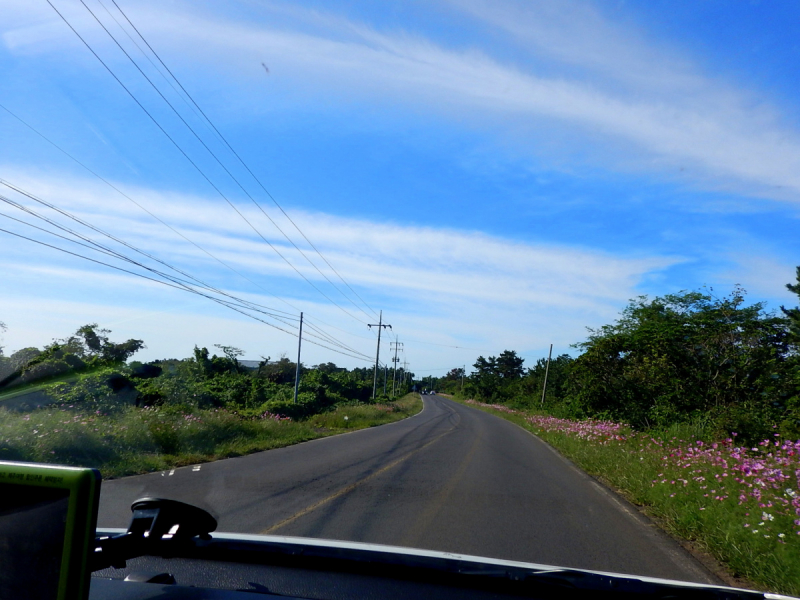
451	478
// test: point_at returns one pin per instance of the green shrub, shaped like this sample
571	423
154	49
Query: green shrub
45	370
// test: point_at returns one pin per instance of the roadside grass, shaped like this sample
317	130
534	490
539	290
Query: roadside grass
130	440
359	416
741	505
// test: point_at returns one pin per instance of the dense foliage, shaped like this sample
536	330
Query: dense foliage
87	369
88	348
691	357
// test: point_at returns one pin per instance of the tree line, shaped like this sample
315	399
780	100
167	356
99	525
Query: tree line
721	363
87	367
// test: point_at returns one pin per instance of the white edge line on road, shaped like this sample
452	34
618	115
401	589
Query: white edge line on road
319	439
669	544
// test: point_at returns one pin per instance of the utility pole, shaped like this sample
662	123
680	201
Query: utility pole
385	377
395	360
380	326
546	371
297	371
463	370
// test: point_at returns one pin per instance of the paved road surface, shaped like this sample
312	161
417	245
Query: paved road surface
451	478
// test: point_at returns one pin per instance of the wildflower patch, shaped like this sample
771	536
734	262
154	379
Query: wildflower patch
742	503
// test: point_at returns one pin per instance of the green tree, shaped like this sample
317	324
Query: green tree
232	353
509	365
793	314
496	378
557	379
687	356
281	371
91	344
329	368
791	424
11	367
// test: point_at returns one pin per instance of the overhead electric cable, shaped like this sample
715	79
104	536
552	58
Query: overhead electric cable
221	164
134	248
172	285
442	345
236	154
154	216
224	303
332	340
111	72
363	337
164	77
141	207
99	247
95	246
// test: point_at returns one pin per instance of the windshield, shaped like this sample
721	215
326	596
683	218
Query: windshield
234	232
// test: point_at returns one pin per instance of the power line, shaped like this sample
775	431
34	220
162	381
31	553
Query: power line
221	164
154	216
183	284
236	154
199	170
219	301
172	285
249	305
164	77
98	230
442	345
97	247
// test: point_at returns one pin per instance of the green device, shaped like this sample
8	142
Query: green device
48	516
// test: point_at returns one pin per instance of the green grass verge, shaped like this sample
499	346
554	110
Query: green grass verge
132	440
693	497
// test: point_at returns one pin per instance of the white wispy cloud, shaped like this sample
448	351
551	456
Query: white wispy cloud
639	104
476	288
470	288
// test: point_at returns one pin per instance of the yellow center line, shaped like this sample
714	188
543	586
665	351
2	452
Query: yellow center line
351	487
437	503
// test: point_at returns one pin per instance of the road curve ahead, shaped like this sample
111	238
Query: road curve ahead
451	478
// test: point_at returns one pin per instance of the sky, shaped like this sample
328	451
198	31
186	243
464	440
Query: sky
490	175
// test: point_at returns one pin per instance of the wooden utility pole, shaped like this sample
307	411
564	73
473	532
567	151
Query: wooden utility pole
380	326
546	371
297	371
394	360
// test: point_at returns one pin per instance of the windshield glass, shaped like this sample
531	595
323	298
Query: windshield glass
233	232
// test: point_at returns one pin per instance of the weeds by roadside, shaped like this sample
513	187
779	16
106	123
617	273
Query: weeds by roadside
742	504
358	416
134	440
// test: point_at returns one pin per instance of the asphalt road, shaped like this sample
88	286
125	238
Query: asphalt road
451	478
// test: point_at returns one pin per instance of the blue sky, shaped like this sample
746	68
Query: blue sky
491	175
